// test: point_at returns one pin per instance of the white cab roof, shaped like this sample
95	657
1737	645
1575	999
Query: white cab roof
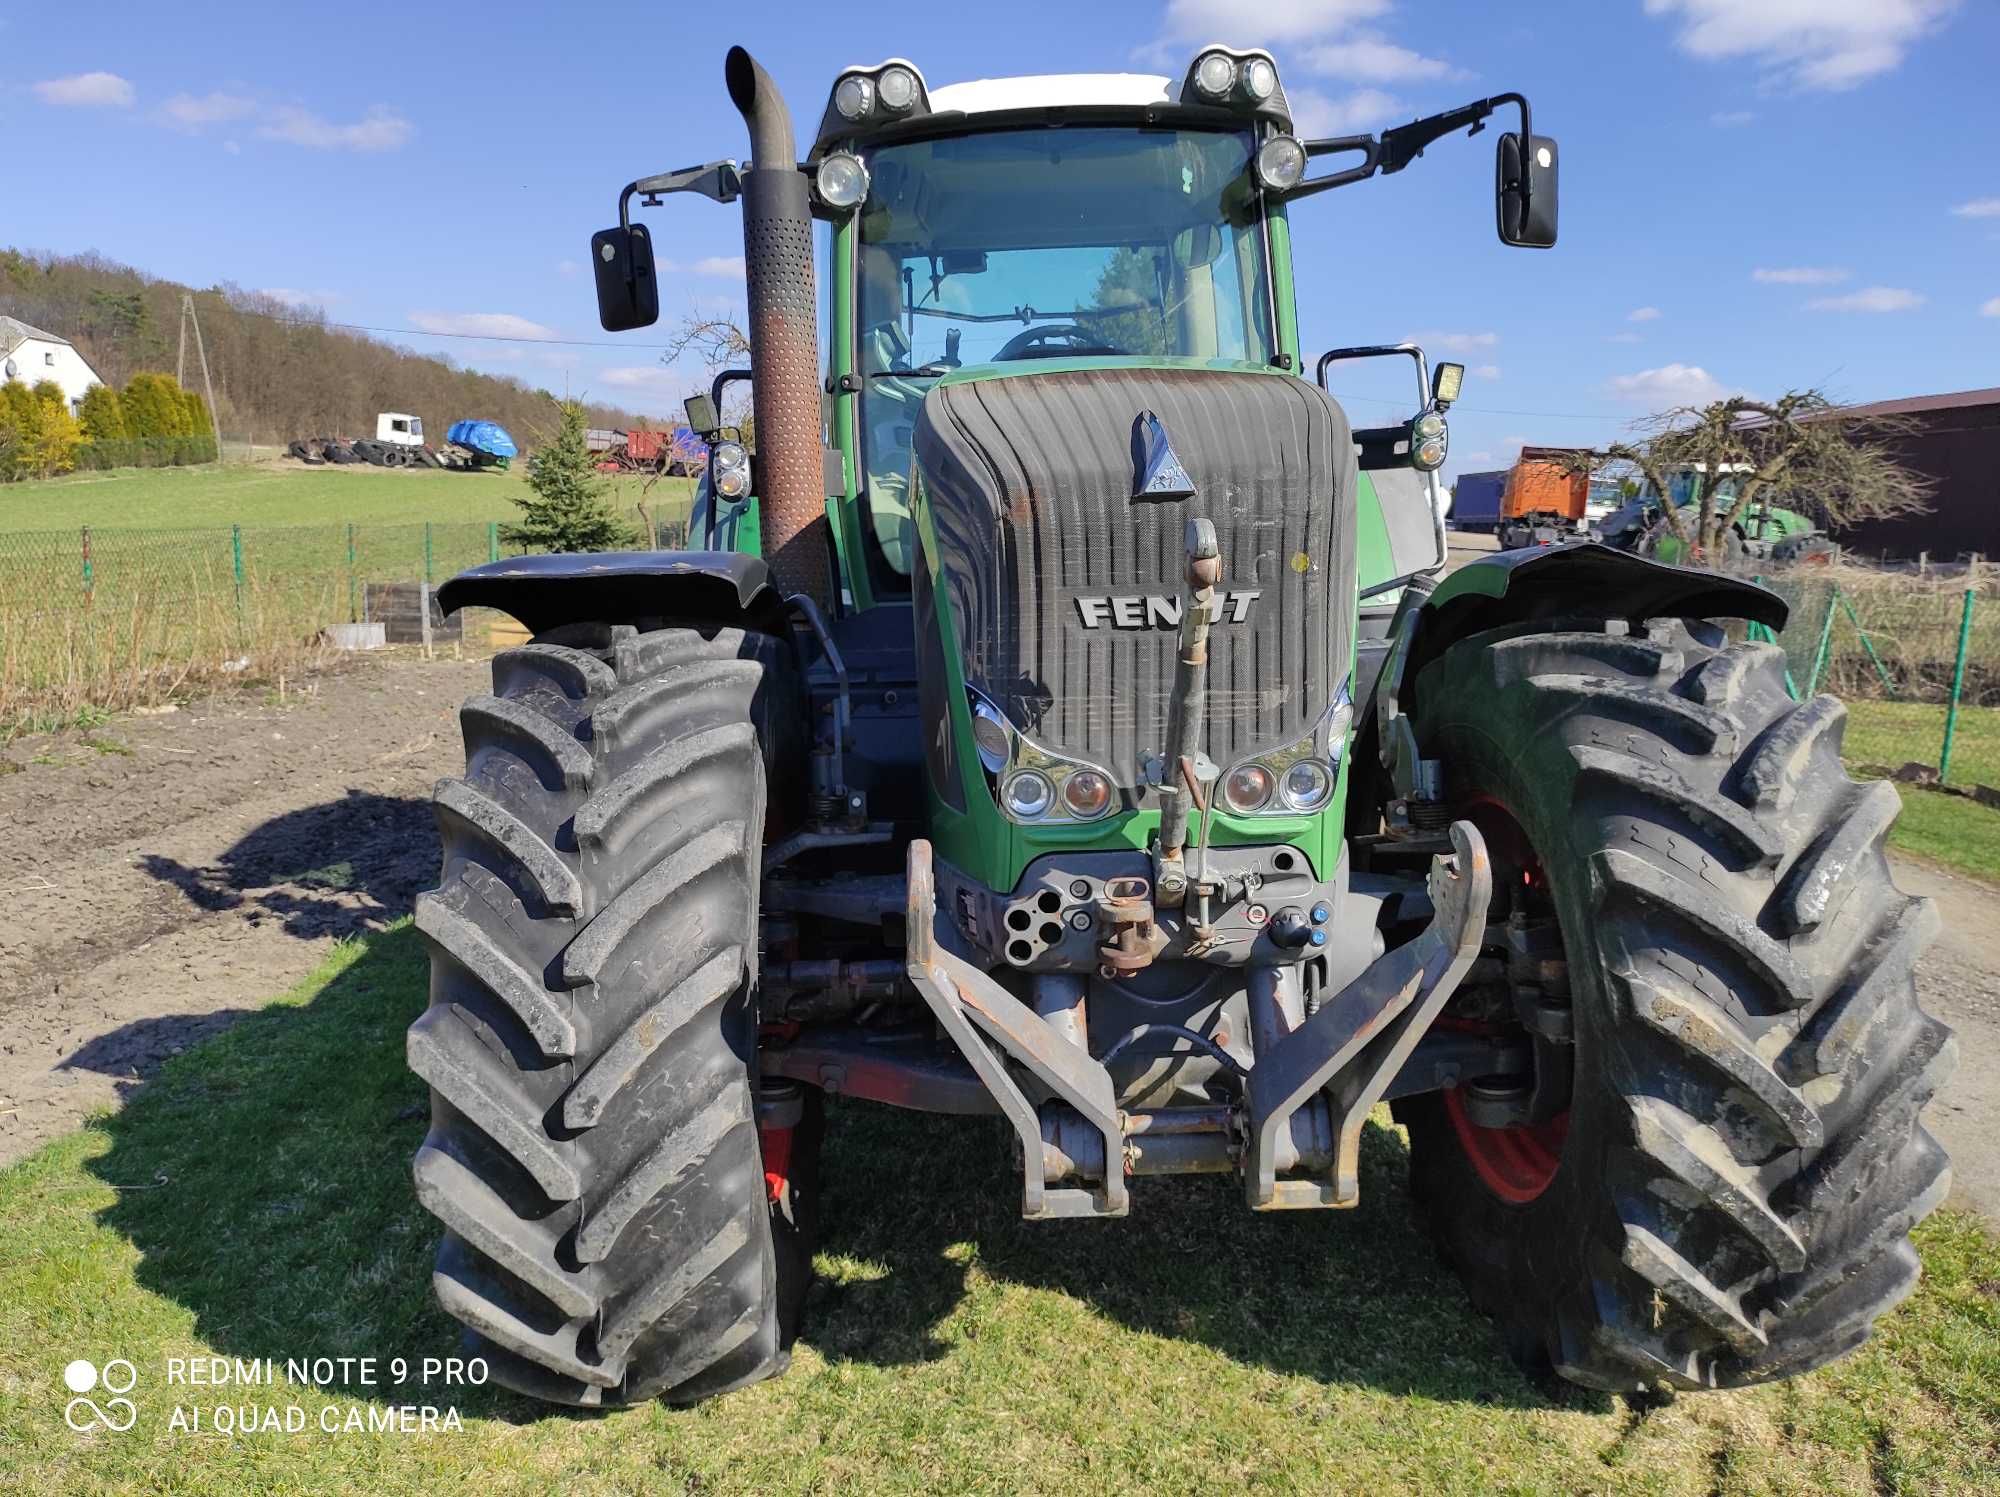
1053	91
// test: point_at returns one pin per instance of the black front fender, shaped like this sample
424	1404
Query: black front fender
617	587
1552	582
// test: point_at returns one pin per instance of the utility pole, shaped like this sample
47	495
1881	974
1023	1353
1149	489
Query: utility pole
180	367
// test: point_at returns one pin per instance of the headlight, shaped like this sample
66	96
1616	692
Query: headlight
842	180
729	470
1429	455
1306	785
854	96
1027	794
1260	79
1086	794
897	89
1246	788
1215	75
990	736
1430	424
1281	162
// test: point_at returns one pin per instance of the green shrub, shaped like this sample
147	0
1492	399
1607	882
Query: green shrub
102	415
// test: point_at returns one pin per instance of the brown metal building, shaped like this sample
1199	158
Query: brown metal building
1957	444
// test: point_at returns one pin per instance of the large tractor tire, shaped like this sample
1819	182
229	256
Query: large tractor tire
1728	1196
591	1037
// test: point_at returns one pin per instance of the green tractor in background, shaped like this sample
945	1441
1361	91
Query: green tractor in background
1068	719
1768	535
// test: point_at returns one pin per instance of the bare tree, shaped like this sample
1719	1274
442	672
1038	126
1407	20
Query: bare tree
718	342
1799	451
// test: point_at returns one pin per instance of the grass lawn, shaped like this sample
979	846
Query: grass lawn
283	493
1947	829
255	1202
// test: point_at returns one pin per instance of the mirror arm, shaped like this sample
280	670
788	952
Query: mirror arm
720	180
1398	147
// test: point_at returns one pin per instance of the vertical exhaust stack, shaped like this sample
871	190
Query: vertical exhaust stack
784	335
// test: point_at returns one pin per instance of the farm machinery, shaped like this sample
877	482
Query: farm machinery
399	443
1065	719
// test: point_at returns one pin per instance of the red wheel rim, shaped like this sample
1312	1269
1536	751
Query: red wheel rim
1516	1164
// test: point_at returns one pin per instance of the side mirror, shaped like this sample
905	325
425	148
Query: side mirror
702	418
628	295
1445	385
1525	191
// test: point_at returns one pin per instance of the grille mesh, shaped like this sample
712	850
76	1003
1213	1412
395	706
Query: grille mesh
1029	479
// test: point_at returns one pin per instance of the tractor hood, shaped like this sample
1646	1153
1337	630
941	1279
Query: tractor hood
1059	525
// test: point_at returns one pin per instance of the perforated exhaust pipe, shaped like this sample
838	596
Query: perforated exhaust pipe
784	336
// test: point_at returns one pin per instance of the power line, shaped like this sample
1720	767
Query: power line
418	332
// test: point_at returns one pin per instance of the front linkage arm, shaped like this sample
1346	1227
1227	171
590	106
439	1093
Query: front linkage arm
1305	1100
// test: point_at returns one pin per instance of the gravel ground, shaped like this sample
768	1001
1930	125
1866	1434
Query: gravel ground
166	874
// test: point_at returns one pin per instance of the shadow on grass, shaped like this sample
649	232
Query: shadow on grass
275	1204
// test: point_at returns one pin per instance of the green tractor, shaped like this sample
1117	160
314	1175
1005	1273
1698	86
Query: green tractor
1069	721
1766	535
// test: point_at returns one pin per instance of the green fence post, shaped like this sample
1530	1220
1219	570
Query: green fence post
236	555
492	540
1888	681
89	583
1825	639
1957	687
353	612
427	552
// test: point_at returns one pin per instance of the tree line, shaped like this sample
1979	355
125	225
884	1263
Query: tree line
280	371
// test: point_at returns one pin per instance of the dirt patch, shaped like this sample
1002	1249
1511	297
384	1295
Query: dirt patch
162	875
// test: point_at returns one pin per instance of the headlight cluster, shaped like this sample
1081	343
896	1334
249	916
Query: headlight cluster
1032	785
887	93
842	180
1295	781
1428	442
729	470
1218	76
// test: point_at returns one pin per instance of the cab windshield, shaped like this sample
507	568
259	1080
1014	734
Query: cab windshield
1017	245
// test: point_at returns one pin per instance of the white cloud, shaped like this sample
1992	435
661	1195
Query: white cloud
232	148
715	265
1978	208
295	298
480	324
642	377
1472	459
1823	44
1643	314
1484	371
1869	299
1373	59
1731	119
380	129
1800	275
1991	308
87	91
567	267
1313	113
1669	385
191	112
1625	337
1438	342
1240	22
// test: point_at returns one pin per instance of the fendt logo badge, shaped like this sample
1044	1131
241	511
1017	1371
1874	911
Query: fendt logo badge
1151	611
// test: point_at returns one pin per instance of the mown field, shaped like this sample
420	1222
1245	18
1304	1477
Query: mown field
278	492
255	1202
1948	829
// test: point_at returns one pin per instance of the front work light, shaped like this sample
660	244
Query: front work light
1281	163
854	96
1215	75
1260	79
842	181
897	89
1446	383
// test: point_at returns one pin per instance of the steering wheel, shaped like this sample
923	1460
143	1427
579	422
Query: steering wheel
1053	341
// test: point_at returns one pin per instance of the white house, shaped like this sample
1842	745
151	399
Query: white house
30	355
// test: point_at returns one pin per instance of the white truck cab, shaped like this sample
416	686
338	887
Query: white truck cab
399	429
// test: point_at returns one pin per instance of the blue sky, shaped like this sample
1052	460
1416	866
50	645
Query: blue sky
1757	194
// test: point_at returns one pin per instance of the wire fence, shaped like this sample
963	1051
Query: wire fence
113	618
1917	662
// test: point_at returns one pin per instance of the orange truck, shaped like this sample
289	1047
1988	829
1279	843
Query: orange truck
1543	501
